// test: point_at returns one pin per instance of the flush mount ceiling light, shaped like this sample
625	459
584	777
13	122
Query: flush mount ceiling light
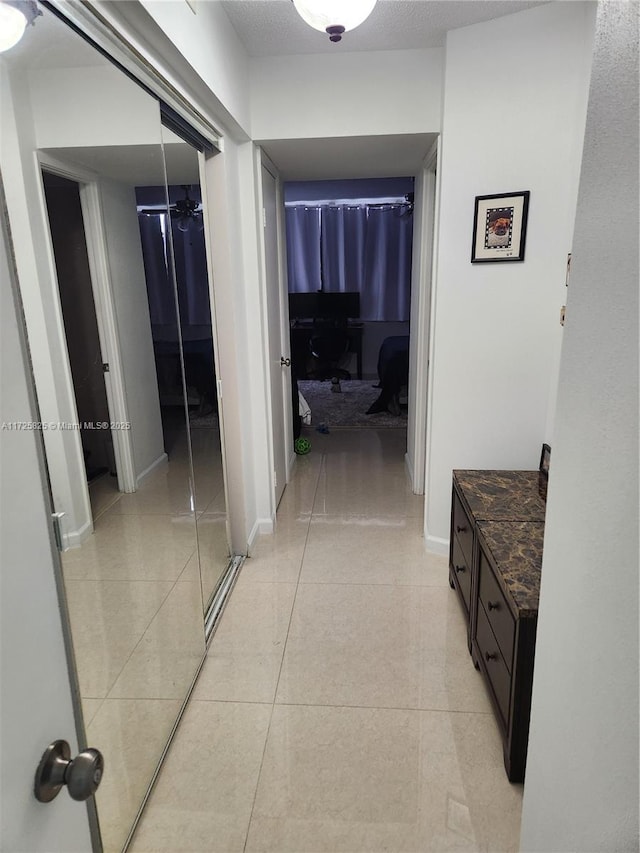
334	16
14	17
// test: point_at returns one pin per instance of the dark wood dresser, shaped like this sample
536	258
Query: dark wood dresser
495	557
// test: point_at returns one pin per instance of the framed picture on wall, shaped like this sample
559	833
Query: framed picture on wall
543	471
500	227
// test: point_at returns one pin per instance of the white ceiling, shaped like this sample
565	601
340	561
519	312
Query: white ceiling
136	165
335	158
274	28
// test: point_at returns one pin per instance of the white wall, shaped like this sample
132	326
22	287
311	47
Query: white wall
497	332
208	41
581	790
91	106
36	270
134	327
350	94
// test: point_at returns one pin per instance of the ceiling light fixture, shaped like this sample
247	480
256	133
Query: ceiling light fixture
334	17
14	17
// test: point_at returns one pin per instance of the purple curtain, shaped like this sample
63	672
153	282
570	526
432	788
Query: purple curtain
191	275
386	293
344	232
303	249
162	306
365	248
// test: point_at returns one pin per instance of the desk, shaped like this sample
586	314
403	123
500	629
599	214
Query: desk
301	332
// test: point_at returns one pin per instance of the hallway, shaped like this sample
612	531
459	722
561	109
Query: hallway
338	708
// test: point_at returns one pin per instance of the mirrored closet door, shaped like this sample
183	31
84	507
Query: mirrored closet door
181	231
107	222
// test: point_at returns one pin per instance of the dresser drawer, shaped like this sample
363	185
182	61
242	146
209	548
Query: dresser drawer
496	610
462	572
462	529
493	663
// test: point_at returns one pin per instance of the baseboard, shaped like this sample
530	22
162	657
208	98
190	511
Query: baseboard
161	460
261	526
75	538
436	545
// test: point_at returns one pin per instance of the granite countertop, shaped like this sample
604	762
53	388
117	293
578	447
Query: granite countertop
516	548
501	495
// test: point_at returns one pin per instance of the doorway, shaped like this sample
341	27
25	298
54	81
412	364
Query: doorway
370	348
277	361
349	254
86	359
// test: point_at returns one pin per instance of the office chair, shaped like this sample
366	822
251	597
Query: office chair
329	345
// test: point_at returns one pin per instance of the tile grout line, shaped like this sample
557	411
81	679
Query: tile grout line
141	638
284	649
411	710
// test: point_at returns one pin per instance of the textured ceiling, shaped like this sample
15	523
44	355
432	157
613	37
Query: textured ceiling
274	28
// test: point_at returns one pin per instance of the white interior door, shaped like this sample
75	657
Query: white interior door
425	216
278	349
36	703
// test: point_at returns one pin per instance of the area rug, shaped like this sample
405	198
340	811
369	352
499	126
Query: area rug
208	421
348	408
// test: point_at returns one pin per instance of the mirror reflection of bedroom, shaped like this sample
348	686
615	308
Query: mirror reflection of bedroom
349	260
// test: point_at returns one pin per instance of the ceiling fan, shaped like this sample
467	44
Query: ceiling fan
185	212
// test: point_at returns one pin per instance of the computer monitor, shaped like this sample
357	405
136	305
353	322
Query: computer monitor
324	306
303	306
339	306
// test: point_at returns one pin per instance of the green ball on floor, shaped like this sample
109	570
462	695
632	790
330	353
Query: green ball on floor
302	446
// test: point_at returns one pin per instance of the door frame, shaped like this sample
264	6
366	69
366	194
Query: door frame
209	254
421	312
264	162
285	338
101	284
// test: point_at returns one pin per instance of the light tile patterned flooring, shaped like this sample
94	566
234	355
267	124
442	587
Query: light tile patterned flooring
338	708
136	613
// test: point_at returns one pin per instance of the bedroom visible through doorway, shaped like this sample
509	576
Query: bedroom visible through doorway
349	259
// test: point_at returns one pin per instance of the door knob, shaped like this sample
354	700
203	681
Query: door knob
81	774
285	362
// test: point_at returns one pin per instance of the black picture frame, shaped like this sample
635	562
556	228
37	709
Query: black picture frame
500	227
545	459
543	471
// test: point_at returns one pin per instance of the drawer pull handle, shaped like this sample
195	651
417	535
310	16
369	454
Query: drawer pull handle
460	529
491	656
493	606
461	569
